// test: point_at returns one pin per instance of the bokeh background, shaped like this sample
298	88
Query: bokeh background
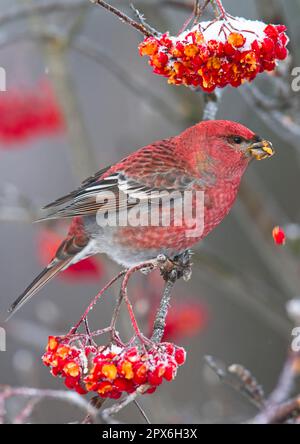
77	72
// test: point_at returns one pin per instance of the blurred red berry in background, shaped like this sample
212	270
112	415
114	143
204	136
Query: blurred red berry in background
184	320
27	113
279	236
89	269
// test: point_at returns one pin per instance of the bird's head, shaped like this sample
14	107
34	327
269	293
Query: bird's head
225	146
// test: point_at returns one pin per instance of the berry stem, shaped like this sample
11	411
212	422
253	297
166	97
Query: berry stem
125	296
220	7
94	301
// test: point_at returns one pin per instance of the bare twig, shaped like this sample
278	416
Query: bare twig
283	124
27	411
240	379
199	9
96	402
123	17
287	380
94	301
116	408
81	151
212	102
142	411
55	46
160	320
7	392
280	414
143	21
134	84
278	408
24	11
171	271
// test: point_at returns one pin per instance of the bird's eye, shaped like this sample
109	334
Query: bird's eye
238	140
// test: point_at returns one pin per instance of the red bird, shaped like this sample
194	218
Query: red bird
210	157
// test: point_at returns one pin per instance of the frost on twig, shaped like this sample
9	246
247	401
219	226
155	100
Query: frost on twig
239	378
211	104
123	17
36	395
277	408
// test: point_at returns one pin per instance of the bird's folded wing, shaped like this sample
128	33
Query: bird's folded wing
113	192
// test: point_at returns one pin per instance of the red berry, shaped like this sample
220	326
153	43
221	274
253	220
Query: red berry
279	236
180	356
281	52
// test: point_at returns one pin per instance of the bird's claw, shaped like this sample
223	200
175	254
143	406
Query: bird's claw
178	267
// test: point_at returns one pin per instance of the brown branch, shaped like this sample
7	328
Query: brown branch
97	403
116	408
278	408
27	411
199	9
55	47
160	319
24	11
240	379
143	21
280	414
171	270
283	124
123	17
134	84
211	104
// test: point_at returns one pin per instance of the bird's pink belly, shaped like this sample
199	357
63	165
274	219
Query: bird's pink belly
175	238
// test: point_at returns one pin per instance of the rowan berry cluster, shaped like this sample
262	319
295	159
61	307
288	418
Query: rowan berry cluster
112	370
218	53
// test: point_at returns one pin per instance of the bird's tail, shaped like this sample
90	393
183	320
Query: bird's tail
42	279
74	244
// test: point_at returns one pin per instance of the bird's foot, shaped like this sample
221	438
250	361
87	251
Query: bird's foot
178	267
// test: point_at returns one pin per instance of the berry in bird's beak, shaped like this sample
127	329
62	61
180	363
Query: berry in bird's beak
261	150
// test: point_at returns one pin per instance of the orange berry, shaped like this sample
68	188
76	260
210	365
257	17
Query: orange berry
191	50
148	48
72	369
104	388
63	351
110	371
126	370
236	39
52	343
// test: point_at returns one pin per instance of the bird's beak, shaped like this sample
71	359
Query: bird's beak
261	150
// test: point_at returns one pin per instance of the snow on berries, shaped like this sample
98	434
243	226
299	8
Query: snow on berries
215	54
112	370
